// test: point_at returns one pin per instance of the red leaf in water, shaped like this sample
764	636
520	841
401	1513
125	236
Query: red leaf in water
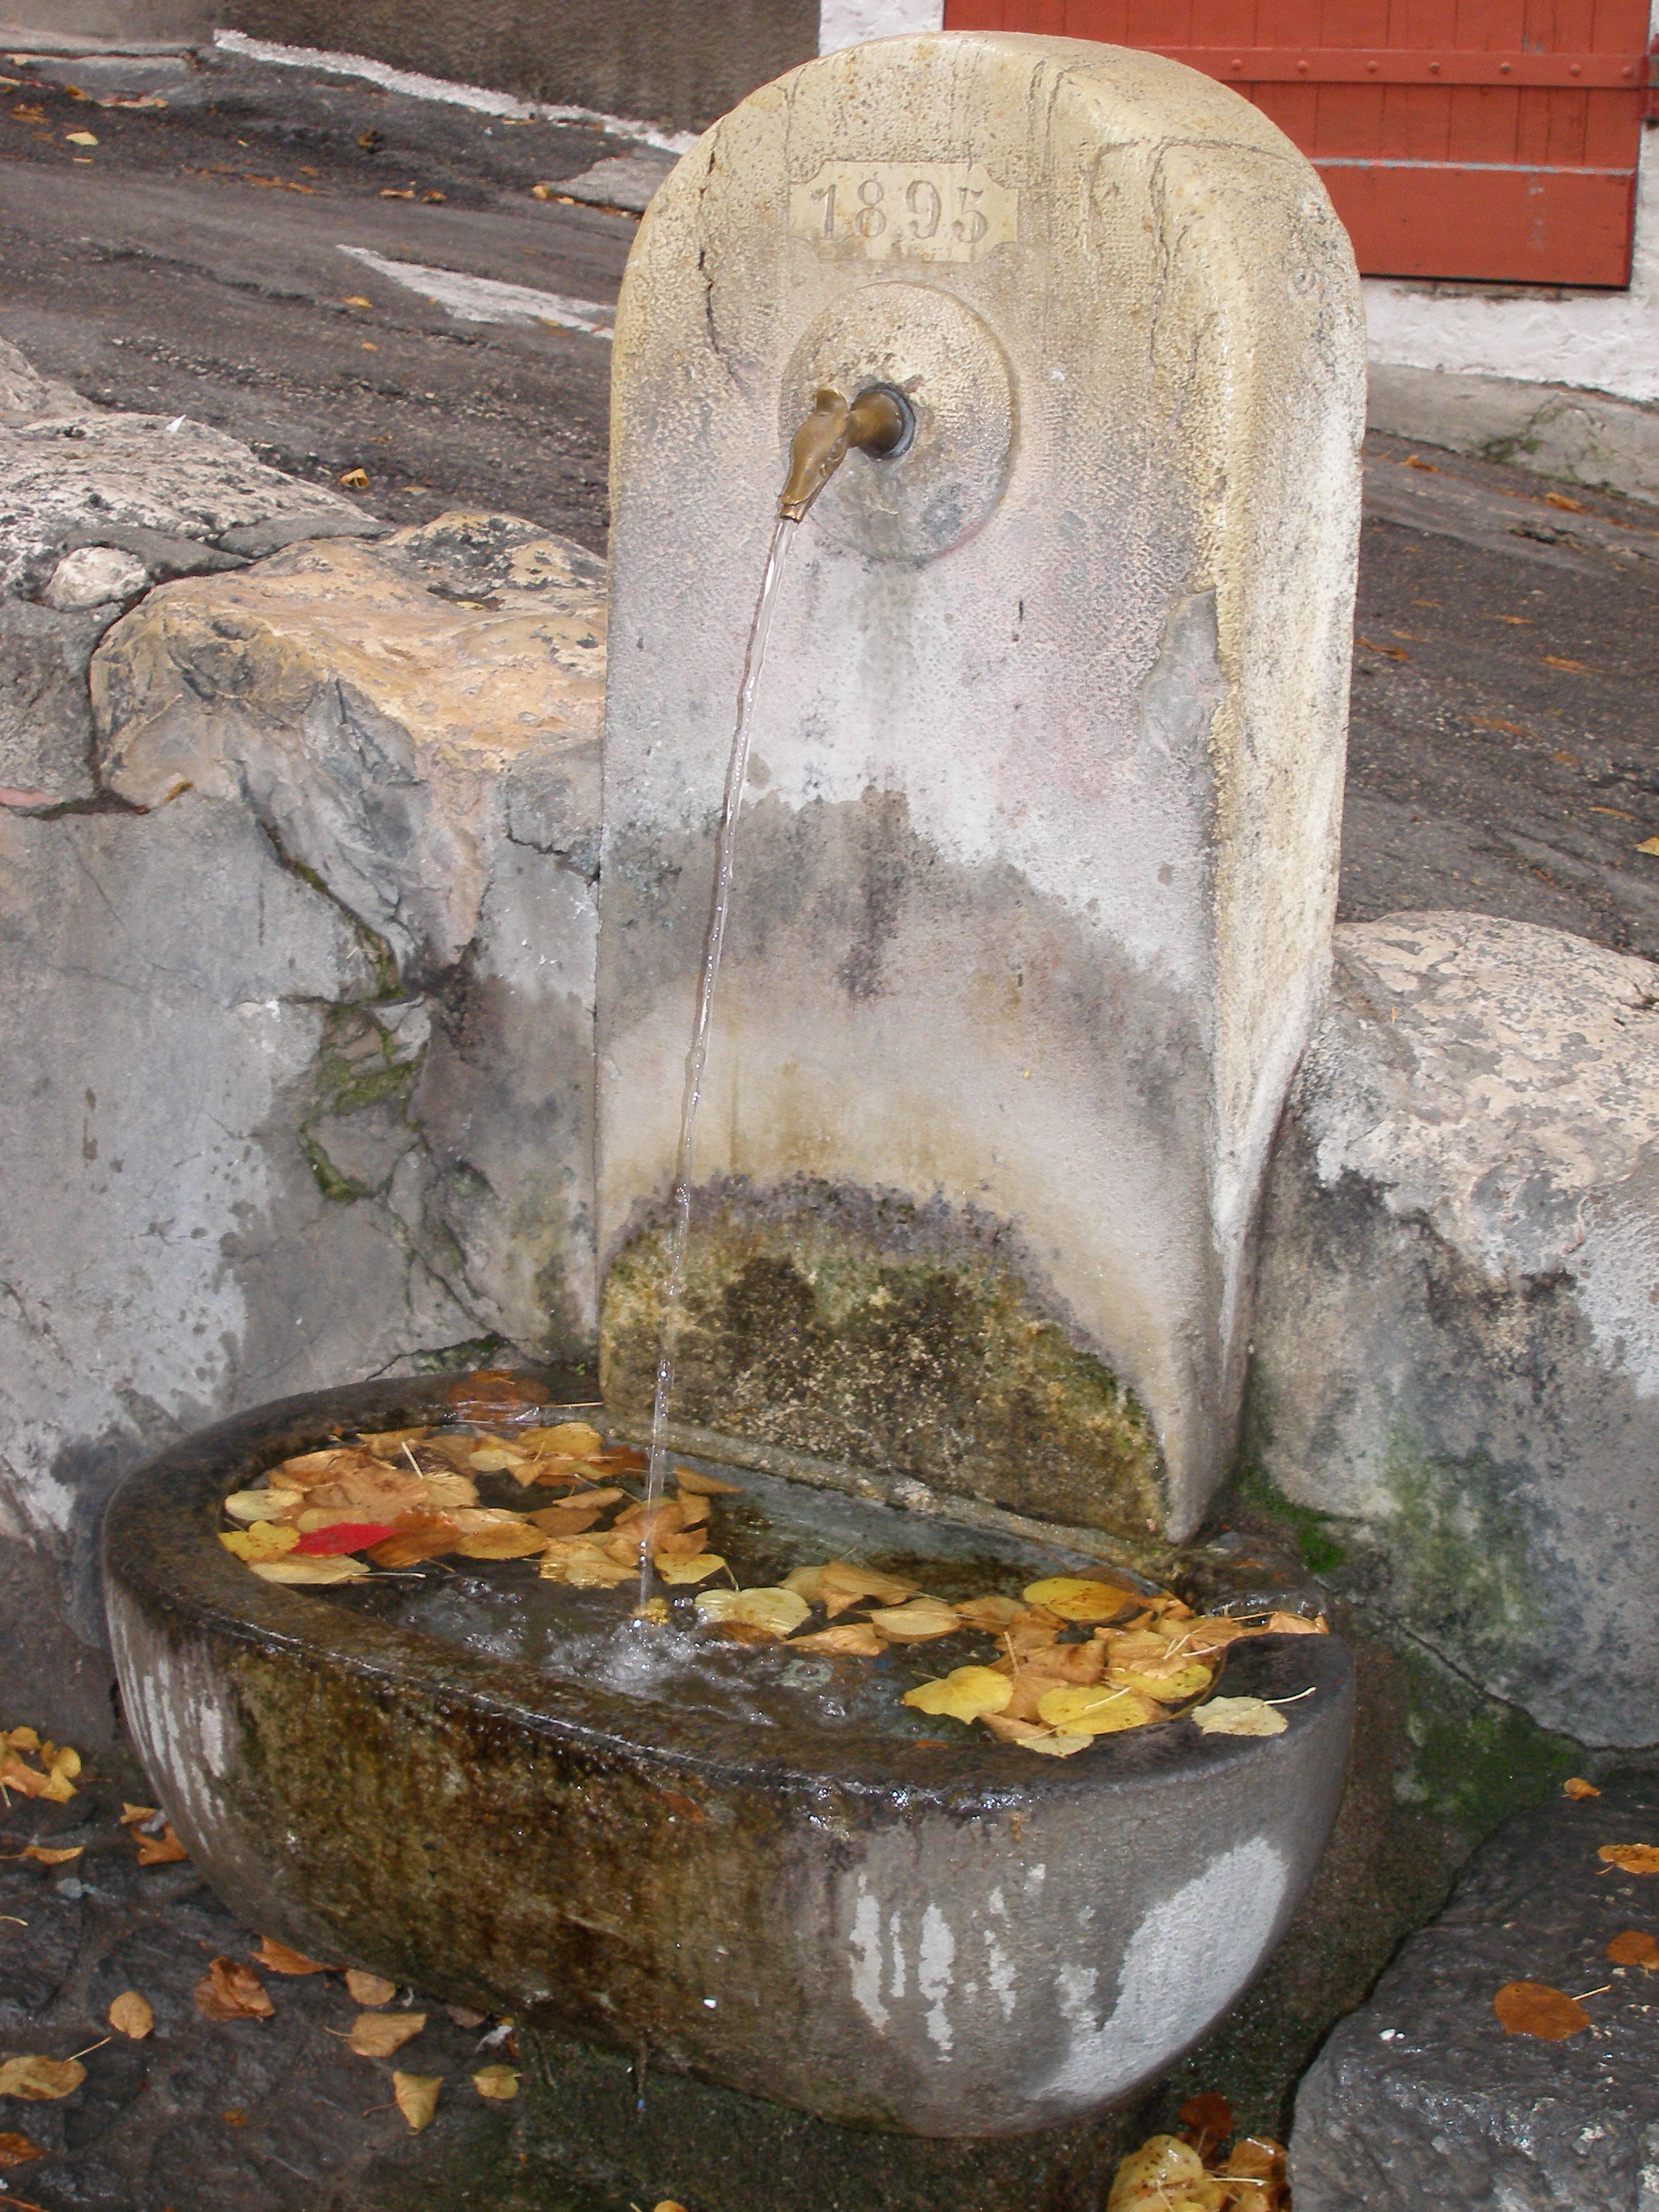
1207	2120
341	1536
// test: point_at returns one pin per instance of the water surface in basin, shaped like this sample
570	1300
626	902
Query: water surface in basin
504	1610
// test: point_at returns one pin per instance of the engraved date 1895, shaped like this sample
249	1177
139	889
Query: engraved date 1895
892	210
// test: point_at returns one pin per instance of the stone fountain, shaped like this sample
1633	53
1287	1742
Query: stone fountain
1035	887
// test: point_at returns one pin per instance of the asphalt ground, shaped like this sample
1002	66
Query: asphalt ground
1504	751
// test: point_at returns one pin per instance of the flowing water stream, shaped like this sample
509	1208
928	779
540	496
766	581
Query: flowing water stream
696	1059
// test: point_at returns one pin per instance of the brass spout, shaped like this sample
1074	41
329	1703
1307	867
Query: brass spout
878	422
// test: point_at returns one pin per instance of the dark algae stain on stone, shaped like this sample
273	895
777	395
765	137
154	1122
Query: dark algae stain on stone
879	1333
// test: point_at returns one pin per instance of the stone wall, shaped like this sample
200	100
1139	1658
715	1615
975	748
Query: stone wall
297	864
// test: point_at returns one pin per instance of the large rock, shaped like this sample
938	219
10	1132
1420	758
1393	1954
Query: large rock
1421	2098
1036	883
95	507
299	1024
1457	1323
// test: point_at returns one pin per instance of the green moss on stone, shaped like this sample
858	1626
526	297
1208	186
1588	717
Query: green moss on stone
870	1332
1470	1759
1320	1552
1460	1559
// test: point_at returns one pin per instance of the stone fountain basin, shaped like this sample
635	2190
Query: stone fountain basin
961	1941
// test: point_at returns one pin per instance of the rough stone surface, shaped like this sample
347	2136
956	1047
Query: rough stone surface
45	713
251	1148
88	472
1420	2098
1036	881
272	2115
1457	1345
1588	437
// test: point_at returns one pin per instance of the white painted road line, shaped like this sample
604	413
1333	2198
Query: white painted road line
413	86
485	300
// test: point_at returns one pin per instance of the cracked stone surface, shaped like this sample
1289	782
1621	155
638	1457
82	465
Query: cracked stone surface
1457	1337
272	2115
1420	2098
301	1003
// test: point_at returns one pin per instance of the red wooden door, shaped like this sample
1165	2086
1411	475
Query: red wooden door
1475	138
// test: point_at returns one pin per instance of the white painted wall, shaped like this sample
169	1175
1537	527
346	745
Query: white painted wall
846	22
1600	341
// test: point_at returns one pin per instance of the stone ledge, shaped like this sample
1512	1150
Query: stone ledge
1588	438
1456	1345
1420	2099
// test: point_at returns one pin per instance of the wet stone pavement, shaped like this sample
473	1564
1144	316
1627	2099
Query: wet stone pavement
255	2115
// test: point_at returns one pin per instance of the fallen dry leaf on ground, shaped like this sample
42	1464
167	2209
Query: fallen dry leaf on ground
38	2079
232	1991
164	1850
416	2096
51	1775
1535	2009
131	2016
1576	1788
369	1989
1166	2175
280	1959
1631	1858
499	2083
18	2150
1634	1946
45	1854
1207	2120
1239	1716
132	1814
377	2034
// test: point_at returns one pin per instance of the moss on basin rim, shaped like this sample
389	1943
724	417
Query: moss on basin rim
905	1339
945	1939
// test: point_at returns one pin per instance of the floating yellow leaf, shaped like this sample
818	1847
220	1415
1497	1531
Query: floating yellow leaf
844	1639
262	1540
1631	1858
38	2079
341	1568
377	2034
920	1622
1535	2009
676	1569
416	2098
247	1505
232	1991
705	1485
1101	1710
499	2083
369	1989
990	1613
772	1611
131	2016
964	1694
1576	1788
1239	1716
518	1543
582	1562
574	1439
495	1458
1171	1685
1074	1598
281	1960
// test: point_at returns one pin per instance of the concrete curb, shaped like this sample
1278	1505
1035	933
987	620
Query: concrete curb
1588	438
